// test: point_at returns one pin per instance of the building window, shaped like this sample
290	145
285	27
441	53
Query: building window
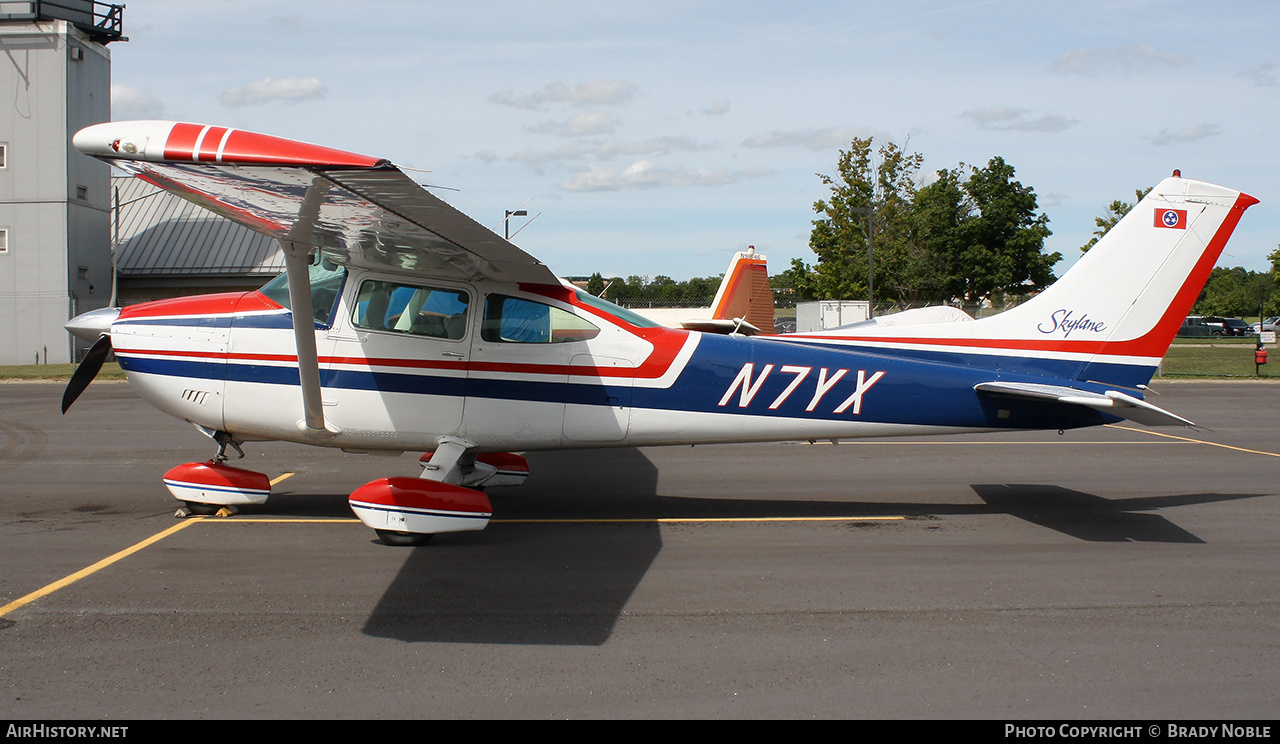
4	240
82	193
4	153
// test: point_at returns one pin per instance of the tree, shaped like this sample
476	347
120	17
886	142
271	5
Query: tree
968	235
1001	240
801	279
840	237
1236	292
1114	213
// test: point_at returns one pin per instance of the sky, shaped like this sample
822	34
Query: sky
658	138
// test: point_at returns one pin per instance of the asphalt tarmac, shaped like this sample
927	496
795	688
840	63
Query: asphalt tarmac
1113	573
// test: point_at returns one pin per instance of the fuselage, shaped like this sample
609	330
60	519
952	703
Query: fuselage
528	367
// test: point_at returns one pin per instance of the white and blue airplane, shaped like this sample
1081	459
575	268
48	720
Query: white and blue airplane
401	325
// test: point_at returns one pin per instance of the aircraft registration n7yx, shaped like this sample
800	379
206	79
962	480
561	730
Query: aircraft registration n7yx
401	325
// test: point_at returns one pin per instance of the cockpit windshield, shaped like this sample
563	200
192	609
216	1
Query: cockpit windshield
326	285
621	313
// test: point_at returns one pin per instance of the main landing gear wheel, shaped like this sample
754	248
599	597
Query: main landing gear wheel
403	539
202	510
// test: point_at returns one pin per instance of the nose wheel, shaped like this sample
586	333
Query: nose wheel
213	487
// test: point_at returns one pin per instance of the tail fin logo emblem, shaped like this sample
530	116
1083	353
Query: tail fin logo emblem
1172	218
1064	320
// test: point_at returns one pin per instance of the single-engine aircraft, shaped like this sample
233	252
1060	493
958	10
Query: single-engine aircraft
401	325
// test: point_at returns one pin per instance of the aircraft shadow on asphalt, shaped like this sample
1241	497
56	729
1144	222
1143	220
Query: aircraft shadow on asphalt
1093	518
563	583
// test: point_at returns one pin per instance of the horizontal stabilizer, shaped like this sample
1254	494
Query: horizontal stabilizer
1113	402
720	325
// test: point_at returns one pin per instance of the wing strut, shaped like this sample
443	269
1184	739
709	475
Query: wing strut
297	252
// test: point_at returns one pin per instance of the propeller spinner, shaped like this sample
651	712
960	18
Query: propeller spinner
91	326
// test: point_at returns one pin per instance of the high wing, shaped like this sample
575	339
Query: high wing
358	211
352	209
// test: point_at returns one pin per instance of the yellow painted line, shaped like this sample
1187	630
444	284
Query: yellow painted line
981	443
277	480
288	520
677	520
69	580
73	578
647	520
1194	441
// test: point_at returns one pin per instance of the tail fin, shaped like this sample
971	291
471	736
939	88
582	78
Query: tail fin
745	293
1112	317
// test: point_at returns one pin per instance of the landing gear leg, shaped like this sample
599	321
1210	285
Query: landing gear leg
454	458
224	440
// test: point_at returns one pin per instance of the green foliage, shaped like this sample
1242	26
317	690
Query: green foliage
1235	292
1114	213
970	234
840	239
662	291
992	240
1271	305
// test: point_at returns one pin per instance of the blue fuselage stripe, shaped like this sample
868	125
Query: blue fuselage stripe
933	392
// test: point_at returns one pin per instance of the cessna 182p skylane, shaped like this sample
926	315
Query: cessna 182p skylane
403	325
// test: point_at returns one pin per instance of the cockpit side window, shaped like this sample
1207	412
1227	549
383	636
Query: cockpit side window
406	308
326	286
516	320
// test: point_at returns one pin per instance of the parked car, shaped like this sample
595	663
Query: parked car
1213	325
1200	325
1267	324
1237	327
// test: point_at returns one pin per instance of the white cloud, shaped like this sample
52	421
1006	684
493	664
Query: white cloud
581	125
1125	60
643	174
590	93
289	90
813	139
717	108
1189	134
1016	120
131	103
1262	76
291	25
582	150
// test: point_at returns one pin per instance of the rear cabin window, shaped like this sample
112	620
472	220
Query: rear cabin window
412	309
520	321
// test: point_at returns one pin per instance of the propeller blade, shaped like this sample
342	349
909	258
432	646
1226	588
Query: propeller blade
87	370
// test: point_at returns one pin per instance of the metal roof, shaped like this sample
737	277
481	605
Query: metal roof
164	235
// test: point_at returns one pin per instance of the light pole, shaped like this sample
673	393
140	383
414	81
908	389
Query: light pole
507	221
871	292
115	236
